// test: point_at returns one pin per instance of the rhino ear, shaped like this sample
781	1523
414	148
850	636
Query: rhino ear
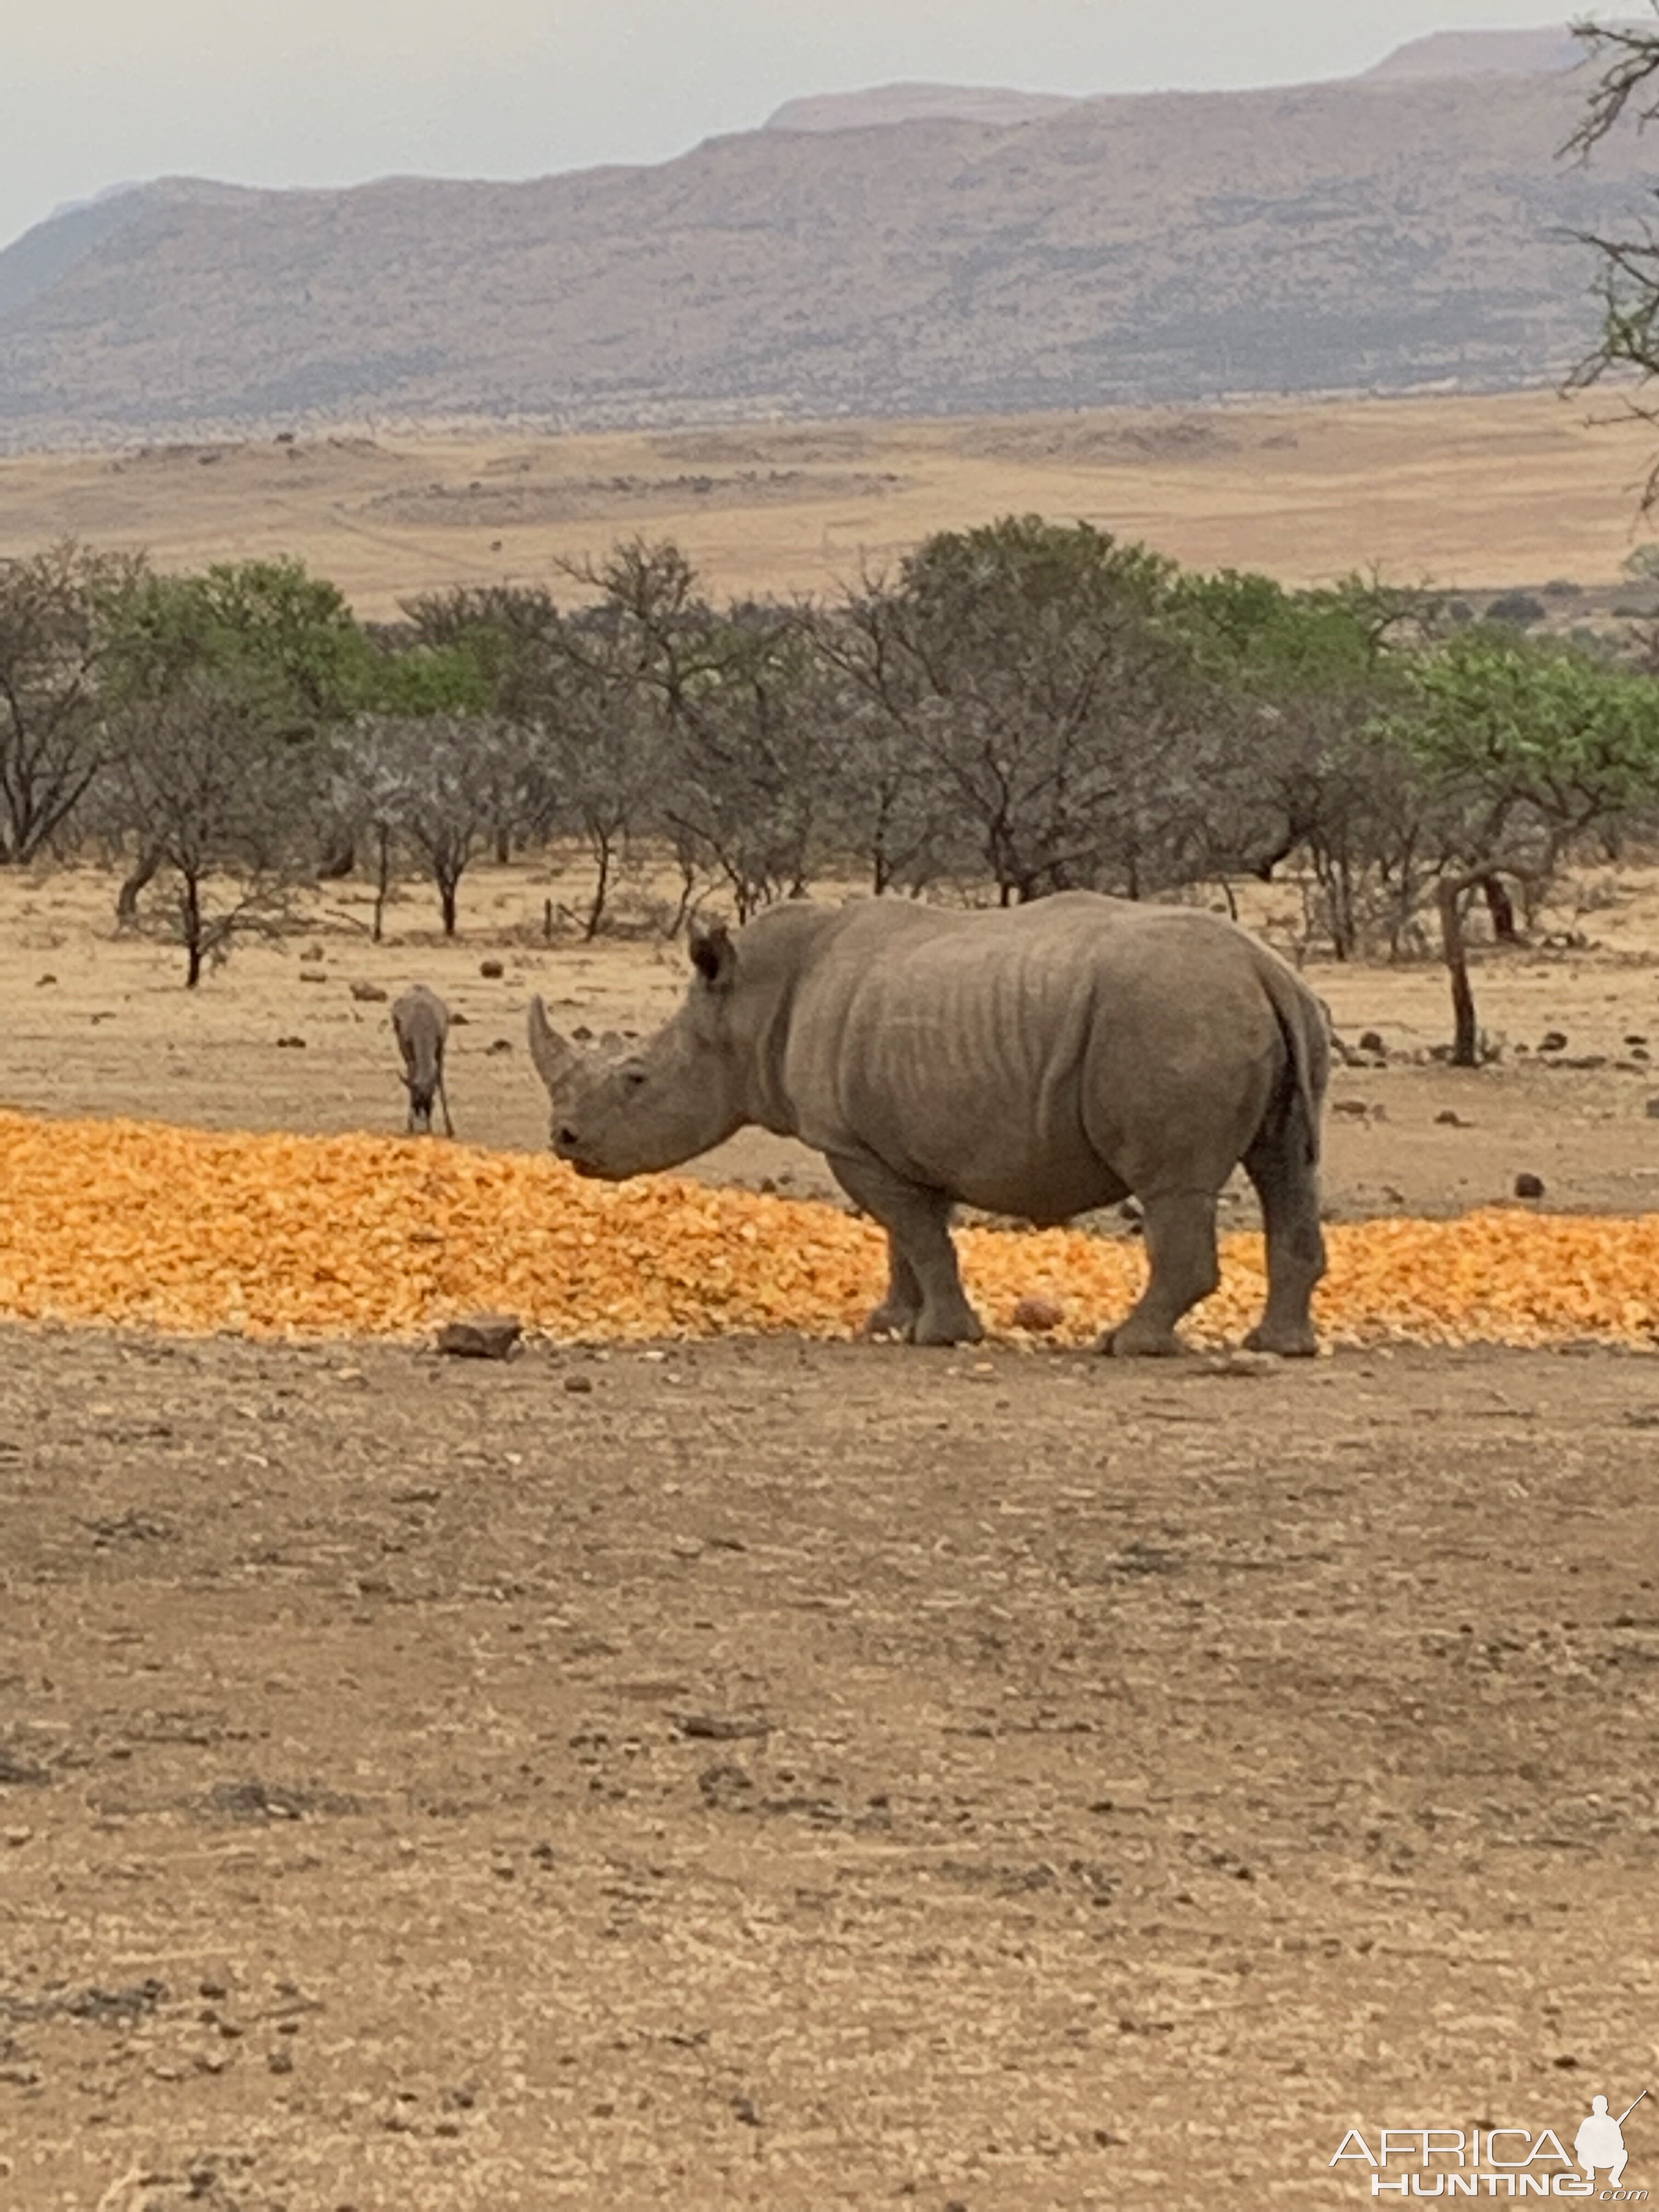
713	954
556	1060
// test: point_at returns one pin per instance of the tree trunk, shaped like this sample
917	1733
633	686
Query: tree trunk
1466	1035
382	877
595	905
142	875
447	888
1501	908
503	847
191	906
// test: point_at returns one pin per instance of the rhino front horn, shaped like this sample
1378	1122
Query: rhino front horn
554	1055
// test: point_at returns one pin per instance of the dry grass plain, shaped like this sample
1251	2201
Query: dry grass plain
787	1776
1507	490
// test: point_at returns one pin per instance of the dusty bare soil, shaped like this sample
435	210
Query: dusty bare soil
789	1775
1469	492
757	1776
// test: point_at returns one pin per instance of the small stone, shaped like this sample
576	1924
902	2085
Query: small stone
1371	1042
579	1385
1529	1186
1039	1314
485	1336
1451	1118
313	976
290	1045
499	1045
1554	1042
41	981
1353	1109
743	2108
313	952
368	994
1636	1037
492	971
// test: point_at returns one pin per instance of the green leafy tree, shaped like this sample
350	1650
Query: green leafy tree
1527	748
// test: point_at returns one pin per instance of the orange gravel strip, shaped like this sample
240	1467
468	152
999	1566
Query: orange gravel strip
195	1232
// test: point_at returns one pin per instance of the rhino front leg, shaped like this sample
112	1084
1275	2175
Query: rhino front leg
925	1296
1180	1227
896	1314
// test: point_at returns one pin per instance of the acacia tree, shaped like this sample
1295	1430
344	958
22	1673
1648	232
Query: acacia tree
1526	747
55	615
282	644
442	783
1027	670
222	800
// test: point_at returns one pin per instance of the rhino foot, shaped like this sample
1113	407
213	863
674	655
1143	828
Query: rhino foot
889	1320
1295	1343
961	1327
1133	1339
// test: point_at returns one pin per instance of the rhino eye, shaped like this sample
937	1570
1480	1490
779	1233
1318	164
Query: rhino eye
633	1078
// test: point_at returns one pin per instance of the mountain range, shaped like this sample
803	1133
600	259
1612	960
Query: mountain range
913	250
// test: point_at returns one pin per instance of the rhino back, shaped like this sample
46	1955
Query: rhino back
1039	1060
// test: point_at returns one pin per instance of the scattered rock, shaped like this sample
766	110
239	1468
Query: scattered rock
1352	1109
1452	1118
1371	1042
719	1727
579	1385
485	1336
41	981
1636	1037
1529	1186
501	1044
743	2109
457	1021
491	970
313	952
1039	1314
368	994
1587	1059
1555	1042
581	1034
290	1045
313	976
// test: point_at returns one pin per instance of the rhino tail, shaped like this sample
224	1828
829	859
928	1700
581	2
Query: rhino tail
1305	1025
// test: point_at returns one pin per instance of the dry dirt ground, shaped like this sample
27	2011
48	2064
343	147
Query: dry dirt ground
1470	492
787	1776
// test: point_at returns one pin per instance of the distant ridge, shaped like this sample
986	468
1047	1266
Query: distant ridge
914	103
1481	53
1387	232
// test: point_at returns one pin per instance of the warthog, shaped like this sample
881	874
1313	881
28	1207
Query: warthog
420	1020
1039	1062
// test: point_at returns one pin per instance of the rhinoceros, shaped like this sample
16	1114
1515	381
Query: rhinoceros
1037	1061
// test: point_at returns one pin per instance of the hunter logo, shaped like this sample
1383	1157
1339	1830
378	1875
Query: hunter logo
1497	2161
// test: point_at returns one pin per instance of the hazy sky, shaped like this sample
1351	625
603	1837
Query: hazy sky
330	92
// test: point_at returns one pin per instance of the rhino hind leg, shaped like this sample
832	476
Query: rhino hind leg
925	1298
1287	1184
1179	1229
